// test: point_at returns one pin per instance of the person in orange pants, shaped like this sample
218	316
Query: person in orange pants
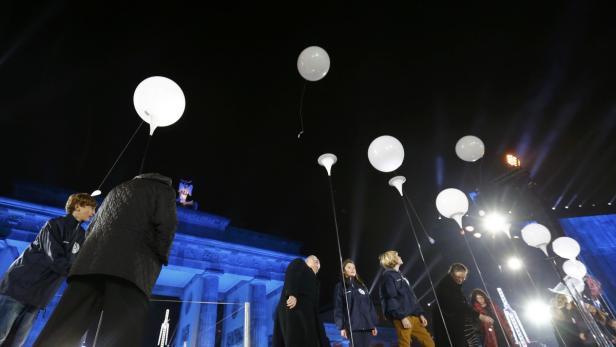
400	304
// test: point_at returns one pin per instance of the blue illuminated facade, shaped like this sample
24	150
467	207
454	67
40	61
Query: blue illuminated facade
597	238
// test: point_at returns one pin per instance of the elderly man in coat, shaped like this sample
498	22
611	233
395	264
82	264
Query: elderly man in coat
297	322
111	281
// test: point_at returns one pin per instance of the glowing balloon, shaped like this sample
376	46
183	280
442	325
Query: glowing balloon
159	101
386	153
470	148
574	268
397	183
313	63
566	247
537	235
327	160
452	203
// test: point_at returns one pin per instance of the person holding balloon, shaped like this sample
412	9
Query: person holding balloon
361	309
400	304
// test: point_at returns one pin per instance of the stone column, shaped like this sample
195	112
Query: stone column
258	313
208	312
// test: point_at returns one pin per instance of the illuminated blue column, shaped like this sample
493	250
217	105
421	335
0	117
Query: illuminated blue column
7	256
207	314
258	312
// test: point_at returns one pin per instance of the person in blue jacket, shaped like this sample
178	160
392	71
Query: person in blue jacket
400	304
361	309
35	276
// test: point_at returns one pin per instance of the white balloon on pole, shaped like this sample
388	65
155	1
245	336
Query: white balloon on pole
452	203
313	63
575	284
470	148
386	153
574	268
566	247
537	235
159	101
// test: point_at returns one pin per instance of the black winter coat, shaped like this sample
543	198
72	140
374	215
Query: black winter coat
457	313
301	325
361	309
397	297
35	276
130	237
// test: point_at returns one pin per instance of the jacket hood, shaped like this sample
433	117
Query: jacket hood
155	177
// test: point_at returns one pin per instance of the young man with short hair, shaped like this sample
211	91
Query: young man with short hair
35	276
400	304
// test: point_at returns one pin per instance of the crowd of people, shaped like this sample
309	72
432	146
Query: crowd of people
111	273
456	321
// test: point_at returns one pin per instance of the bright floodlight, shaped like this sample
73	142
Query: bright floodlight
514	263
538	312
477	235
512	160
481	213
494	222
469	228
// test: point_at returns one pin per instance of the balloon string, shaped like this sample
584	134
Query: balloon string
301	112
423	259
120	155
430	238
145	154
346	300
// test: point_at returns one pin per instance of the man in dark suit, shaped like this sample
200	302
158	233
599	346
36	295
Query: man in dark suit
297	322
111	281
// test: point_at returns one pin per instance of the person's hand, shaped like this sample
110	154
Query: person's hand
582	336
374	331
406	323
291	301
486	319
343	333
424	321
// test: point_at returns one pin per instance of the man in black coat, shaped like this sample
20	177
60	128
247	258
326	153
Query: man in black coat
111	281
297	322
459	315
35	276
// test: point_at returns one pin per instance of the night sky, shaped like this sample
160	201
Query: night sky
537	80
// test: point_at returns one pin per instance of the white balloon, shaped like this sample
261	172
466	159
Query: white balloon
159	101
537	235
566	247
574	268
313	63
386	153
470	148
452	203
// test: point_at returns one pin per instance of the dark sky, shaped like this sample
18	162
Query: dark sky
536	79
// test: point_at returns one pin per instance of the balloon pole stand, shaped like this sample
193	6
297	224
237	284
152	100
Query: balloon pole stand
327	160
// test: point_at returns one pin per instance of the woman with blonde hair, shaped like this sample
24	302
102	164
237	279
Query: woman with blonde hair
361	309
